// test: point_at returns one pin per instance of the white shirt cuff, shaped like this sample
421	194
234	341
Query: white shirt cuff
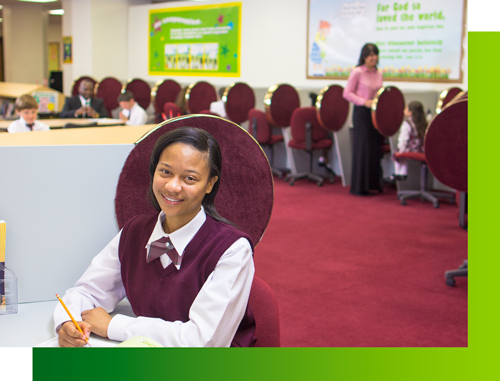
117	327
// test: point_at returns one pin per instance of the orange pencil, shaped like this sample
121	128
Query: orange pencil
74	321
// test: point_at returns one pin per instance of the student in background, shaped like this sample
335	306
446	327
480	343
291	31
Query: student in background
411	137
186	271
362	86
218	107
84	105
132	113
27	109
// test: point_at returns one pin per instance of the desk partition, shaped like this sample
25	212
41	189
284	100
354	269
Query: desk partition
57	196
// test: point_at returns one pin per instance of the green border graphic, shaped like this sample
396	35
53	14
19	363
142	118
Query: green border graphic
195	41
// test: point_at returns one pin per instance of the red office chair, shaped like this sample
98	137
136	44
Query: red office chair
199	95
239	99
445	145
109	89
164	91
265	310
308	135
423	193
262	132
171	110
76	84
141	91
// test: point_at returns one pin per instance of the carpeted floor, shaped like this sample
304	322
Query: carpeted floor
363	272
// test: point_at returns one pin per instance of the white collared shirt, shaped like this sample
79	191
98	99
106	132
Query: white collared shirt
20	126
219	108
180	238
85	102
214	315
137	116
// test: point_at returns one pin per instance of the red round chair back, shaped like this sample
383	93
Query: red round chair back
280	102
445	145
264	131
300	117
163	92
388	110
245	195
446	96
141	91
76	84
171	110
239	99
331	108
265	309
109	89
199	95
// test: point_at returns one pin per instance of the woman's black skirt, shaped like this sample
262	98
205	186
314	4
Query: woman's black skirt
366	153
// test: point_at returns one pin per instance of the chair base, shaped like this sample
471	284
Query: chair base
451	274
279	172
424	195
310	176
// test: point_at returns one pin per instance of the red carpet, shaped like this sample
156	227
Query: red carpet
363	272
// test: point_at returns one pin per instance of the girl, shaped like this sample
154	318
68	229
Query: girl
362	86
186	272
411	137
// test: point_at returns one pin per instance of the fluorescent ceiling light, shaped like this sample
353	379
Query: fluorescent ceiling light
56	12
38	1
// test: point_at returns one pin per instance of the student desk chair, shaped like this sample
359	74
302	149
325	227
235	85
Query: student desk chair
246	192
445	147
109	89
163	92
239	99
199	96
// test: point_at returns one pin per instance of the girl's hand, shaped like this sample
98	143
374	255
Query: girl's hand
70	336
98	319
368	103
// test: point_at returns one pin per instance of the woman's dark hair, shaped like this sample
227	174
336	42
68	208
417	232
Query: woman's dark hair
366	51
203	142
418	117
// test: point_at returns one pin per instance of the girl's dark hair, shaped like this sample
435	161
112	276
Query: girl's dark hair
366	51
203	142
418	117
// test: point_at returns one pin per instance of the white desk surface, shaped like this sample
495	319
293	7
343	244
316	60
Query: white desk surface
33	324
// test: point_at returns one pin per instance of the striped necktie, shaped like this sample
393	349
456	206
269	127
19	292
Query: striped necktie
162	246
30	126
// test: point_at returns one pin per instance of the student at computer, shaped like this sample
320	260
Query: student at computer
198	298
132	113
27	108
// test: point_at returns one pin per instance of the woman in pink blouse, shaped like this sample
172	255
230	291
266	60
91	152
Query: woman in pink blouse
362	86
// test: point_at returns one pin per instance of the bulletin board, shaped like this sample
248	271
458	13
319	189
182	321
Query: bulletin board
419	41
195	41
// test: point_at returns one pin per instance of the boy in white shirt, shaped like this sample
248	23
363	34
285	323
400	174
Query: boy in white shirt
27	108
132	113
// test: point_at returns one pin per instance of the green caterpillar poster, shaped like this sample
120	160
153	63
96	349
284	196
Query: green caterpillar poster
195	41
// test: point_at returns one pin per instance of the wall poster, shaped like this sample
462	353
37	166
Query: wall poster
196	40
418	40
67	50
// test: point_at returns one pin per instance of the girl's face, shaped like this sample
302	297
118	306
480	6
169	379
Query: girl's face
180	183
407	112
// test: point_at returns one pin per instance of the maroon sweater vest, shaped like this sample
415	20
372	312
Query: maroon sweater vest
169	293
